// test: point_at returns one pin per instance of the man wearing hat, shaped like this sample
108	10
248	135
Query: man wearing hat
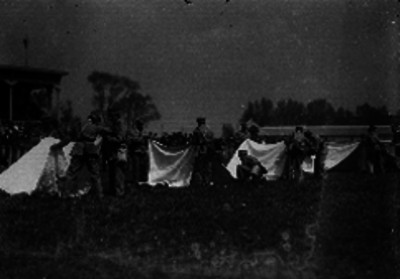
374	151
249	169
138	153
202	140
115	152
86	152
296	151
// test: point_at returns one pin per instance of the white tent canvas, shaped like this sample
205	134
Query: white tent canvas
171	166
271	156
37	168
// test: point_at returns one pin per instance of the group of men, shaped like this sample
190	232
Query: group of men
301	144
105	145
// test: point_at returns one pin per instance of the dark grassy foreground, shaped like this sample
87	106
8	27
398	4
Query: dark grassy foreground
342	227
359	227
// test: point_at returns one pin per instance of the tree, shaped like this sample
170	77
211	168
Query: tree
320	112
68	123
344	117
228	131
367	115
289	112
122	93
267	107
248	113
101	84
316	112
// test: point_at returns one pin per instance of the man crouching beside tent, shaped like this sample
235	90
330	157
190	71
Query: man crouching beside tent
86	151
250	169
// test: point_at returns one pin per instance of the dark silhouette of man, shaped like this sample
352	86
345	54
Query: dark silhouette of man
202	140
86	152
250	169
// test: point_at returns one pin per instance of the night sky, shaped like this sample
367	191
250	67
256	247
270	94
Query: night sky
211	57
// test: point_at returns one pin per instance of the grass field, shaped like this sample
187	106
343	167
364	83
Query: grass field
342	227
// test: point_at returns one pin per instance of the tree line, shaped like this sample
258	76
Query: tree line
122	94
317	112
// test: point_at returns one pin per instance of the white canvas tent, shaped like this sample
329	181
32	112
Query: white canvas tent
170	165
273	157
37	169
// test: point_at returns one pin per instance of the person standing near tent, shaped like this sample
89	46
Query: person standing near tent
138	156
374	150
86	151
242	134
396	138
315	146
254	133
250	169
202	140
115	151
296	147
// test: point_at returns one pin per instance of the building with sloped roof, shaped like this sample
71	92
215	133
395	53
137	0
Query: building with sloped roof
28	94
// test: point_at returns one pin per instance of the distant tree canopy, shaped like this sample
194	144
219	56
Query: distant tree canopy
69	123
122	93
228	130
316	112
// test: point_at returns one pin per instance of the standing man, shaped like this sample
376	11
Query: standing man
250	169
86	152
115	152
296	147
374	151
396	138
315	146
242	134
202	140
138	157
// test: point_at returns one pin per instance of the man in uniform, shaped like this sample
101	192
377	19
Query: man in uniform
374	151
250	169
115	151
296	147
242	134
315	146
86	151
137	147
202	140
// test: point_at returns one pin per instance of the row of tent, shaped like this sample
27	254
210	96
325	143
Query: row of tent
38	169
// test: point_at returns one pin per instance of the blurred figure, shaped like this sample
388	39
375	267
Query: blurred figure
202	140
296	147
86	152
250	169
242	134
254	132
396	143
374	151
396	138
3	147
138	157
315	147
115	150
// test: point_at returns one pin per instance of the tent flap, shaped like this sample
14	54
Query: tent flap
170	166
37	168
271	156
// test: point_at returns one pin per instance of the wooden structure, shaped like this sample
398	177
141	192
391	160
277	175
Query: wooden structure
330	132
28	94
